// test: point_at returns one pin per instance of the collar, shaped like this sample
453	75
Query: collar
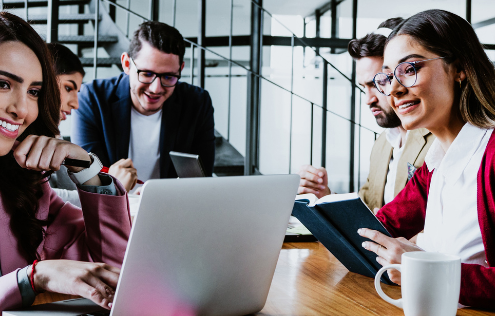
452	163
394	138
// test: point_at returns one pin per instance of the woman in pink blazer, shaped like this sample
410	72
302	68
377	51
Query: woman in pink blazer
437	76
79	251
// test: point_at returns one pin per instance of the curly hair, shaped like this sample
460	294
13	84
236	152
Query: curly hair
21	188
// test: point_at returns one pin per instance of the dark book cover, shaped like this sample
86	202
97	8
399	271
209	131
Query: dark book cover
335	225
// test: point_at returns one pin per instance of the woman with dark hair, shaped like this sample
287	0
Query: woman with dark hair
437	76
69	72
35	225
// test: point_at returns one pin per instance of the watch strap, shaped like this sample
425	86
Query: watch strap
84	175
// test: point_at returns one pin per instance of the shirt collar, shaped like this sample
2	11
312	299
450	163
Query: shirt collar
452	163
394	138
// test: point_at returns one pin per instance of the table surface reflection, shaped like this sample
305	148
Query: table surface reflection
309	280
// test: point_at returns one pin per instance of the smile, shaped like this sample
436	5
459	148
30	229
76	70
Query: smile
406	105
9	127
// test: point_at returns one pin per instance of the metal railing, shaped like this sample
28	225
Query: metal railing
194	46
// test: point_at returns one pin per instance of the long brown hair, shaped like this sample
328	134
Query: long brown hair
446	34
21	188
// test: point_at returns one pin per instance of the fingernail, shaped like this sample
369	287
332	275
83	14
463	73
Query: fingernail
360	231
322	187
320	180
320	174
110	305
364	244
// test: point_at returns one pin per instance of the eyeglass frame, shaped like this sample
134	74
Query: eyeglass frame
156	75
412	63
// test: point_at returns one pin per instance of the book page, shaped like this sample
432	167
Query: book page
336	198
309	196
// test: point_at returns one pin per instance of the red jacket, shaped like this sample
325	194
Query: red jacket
405	217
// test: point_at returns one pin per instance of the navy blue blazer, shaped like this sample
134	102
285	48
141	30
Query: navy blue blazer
102	124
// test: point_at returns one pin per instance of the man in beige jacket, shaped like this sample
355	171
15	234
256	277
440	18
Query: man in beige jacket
396	153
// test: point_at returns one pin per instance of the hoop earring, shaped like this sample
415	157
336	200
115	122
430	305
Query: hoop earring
460	83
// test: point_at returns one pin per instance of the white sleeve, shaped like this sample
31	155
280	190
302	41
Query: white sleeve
71	196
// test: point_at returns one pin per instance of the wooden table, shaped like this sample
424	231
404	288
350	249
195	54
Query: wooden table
309	280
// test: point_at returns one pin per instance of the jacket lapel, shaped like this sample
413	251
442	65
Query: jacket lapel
168	133
121	121
412	148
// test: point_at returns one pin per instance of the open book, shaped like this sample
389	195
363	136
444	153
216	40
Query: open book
334	221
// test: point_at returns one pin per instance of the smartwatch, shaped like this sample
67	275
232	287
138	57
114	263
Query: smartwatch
84	175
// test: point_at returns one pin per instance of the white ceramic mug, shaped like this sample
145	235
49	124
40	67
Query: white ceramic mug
430	284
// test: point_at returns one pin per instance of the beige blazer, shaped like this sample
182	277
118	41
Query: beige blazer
417	144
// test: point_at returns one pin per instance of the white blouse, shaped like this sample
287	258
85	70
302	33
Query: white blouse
451	224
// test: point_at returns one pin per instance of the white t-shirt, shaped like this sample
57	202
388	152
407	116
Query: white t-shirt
394	138
144	144
451	223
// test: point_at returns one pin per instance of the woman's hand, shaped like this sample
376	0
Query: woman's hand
388	249
94	281
42	153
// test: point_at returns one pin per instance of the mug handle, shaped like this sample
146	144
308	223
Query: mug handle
378	286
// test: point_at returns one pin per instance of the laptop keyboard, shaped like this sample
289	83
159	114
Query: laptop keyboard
105	313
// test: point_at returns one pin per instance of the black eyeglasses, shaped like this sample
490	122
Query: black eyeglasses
405	73
146	76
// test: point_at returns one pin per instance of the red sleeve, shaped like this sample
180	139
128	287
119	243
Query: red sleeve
477	286
478	282
405	215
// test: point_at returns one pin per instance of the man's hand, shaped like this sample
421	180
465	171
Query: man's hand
94	281
388	249
313	180
125	172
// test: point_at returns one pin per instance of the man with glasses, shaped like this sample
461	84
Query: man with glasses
134	120
396	153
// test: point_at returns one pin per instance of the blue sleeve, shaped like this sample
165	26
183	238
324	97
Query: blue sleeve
86	124
25	288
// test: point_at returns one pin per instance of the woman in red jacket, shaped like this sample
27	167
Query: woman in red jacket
36	225
437	76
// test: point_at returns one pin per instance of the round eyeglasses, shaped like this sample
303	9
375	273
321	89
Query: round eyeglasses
146	76
406	74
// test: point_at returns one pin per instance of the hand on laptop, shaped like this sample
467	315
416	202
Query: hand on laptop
125	172
94	281
313	180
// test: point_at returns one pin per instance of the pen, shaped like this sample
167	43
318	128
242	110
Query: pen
105	170
71	162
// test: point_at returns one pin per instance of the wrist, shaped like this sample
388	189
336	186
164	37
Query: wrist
34	277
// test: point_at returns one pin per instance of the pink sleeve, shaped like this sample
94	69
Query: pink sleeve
98	233
10	296
405	215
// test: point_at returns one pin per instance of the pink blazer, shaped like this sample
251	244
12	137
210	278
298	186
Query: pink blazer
97	233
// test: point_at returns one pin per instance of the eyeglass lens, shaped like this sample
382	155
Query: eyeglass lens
405	73
166	80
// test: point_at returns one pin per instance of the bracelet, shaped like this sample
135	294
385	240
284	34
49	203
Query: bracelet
31	277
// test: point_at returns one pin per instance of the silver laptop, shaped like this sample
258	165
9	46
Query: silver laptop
201	246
